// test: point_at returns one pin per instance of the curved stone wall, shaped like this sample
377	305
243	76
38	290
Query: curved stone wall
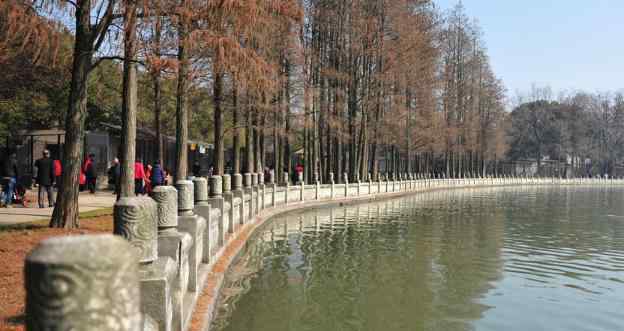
182	242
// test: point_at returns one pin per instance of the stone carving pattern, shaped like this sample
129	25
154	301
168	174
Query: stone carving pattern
99	293
185	195
216	186
227	183
135	220
167	199
201	189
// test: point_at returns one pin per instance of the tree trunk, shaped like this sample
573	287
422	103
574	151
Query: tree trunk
182	107
129	103
249	144
65	213
236	129
219	151
157	99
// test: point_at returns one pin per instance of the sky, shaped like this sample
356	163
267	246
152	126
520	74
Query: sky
565	44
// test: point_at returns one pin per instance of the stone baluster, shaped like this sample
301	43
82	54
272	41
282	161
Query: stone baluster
240	194
175	245
287	189
137	219
255	194
317	186
83	283
274	186
370	184
229	210
194	225
346	184
261	190
248	197
386	179
378	183
302	188
394	179
332	184
203	210
358	182
219	223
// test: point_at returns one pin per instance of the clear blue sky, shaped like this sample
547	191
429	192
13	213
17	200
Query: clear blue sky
565	44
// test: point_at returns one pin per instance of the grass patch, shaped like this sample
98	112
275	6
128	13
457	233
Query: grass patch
43	223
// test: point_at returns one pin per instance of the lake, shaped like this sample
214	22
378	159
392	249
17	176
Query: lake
526	258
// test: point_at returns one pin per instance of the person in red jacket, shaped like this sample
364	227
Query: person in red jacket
139	176
90	173
148	180
58	171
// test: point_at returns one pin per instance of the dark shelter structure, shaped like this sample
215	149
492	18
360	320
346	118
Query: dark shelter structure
104	144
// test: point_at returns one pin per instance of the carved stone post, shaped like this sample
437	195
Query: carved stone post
240	194
229	214
359	183
394	179
274	186
135	219
345	177
386	179
317	185
218	222
194	225
83	283
255	193
332	187
203	209
261	190
302	190
370	183
286	191
175	245
249	200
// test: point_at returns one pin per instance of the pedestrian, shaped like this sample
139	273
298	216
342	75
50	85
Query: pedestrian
210	171
89	171
9	179
139	176
196	168
158	175
45	178
114	176
58	171
147	189
267	174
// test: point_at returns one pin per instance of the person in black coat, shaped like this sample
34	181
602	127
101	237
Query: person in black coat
90	174
45	178
9	179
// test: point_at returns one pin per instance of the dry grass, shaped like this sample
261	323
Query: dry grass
15	243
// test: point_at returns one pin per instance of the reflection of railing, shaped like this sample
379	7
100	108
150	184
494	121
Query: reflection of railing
182	241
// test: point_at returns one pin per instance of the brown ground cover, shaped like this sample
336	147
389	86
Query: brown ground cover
15	243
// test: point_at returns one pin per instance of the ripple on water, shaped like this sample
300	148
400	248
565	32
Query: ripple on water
486	259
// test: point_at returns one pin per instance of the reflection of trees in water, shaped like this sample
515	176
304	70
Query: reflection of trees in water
410	264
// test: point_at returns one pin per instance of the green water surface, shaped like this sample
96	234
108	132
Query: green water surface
483	259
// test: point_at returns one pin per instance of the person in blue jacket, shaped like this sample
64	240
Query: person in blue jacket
158	176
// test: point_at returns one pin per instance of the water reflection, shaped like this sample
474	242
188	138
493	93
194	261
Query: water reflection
485	259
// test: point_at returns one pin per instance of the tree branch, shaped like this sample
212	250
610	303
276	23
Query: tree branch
113	58
101	28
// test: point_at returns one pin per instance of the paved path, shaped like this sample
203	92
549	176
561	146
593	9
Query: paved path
87	202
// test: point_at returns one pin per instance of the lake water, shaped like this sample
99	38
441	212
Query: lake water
483	259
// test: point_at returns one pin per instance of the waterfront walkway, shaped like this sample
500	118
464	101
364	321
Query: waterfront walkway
19	215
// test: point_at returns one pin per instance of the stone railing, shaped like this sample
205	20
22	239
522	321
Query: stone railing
153	278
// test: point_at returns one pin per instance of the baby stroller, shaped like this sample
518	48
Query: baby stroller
19	196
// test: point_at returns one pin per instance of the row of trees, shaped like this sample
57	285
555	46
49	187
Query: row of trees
361	86
582	130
